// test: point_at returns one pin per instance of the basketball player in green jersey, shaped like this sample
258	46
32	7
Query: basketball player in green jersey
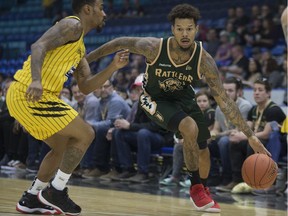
169	98
33	99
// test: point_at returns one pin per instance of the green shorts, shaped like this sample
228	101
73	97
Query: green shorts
167	113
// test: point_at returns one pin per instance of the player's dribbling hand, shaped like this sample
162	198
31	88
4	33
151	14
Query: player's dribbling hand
257	146
121	58
34	91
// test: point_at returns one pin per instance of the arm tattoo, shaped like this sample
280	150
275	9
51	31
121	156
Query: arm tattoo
56	36
147	47
227	105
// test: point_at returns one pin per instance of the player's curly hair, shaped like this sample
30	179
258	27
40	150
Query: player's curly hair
184	11
78	4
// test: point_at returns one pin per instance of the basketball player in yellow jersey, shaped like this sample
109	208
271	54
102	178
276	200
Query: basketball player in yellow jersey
33	100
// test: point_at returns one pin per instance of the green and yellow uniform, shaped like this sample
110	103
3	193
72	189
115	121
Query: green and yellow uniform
46	117
168	89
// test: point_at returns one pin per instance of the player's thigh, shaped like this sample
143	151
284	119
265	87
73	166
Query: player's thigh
78	129
160	112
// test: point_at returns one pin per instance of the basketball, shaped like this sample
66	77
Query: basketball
259	171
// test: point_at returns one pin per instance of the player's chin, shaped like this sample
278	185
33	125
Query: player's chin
99	28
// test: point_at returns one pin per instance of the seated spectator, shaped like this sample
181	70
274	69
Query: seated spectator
259	118
223	54
241	18
137	133
254	73
66	96
14	138
86	106
238	66
232	34
110	108
267	36
219	146
212	43
271	70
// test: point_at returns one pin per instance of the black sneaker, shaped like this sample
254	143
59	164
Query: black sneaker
59	200
29	204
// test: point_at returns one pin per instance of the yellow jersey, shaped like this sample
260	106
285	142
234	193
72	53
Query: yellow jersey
57	66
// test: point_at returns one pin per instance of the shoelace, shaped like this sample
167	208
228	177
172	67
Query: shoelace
66	199
200	194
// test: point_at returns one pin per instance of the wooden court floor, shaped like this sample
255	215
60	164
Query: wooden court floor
107	202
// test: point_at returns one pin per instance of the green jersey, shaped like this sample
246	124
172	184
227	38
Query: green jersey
165	80
168	90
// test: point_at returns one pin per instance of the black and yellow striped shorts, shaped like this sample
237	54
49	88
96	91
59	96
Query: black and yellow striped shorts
41	119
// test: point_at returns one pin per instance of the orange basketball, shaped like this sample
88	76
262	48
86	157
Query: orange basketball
259	171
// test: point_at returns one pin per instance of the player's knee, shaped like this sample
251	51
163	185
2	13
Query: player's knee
188	127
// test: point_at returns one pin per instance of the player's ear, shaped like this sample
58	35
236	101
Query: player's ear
172	29
87	9
197	28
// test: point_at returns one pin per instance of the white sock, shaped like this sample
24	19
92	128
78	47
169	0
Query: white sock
36	186
60	180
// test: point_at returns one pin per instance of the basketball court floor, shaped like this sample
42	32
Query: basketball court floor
106	198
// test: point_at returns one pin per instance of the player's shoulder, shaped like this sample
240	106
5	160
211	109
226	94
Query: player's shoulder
71	22
70	26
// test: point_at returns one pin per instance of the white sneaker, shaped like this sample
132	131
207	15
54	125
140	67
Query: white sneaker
170	181
241	188
185	183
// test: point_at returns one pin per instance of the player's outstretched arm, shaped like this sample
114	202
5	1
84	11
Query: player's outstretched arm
146	46
227	105
88	83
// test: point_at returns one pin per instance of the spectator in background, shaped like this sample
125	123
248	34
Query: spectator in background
255	13
238	66
224	54
212	44
254	32
86	106
119	80
111	107
230	29
270	70
13	137
241	18
259	118
231	15
254	73
267	36
266	12
222	128
137	133
66	96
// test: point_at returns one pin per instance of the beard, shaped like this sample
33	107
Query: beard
99	29
185	49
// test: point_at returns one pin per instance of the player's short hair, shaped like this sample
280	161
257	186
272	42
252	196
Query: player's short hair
184	11
78	4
